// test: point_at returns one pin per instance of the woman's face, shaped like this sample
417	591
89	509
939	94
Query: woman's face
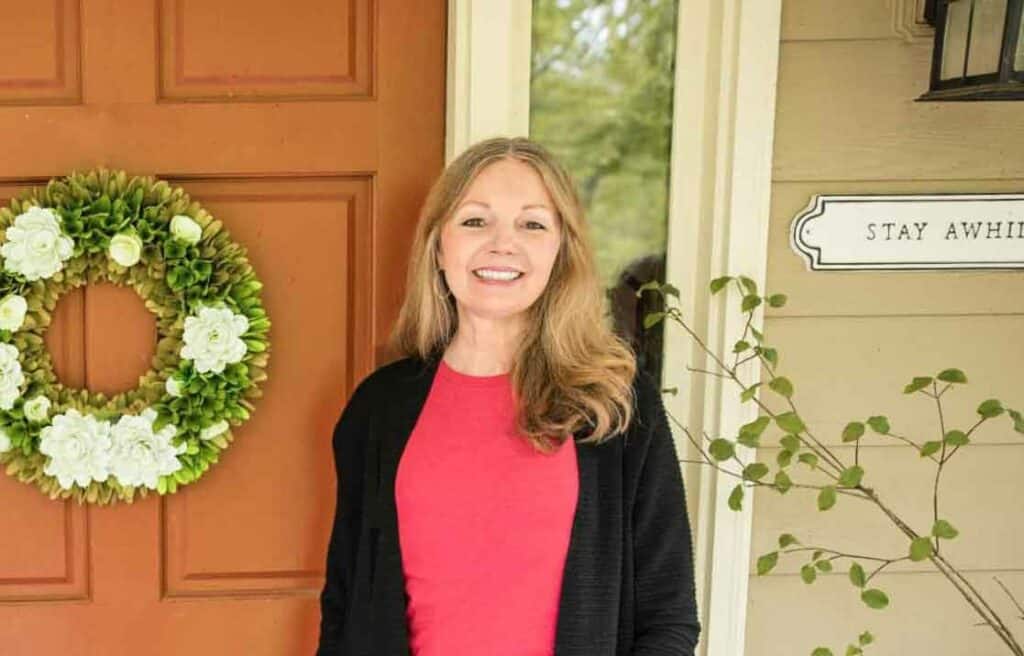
506	222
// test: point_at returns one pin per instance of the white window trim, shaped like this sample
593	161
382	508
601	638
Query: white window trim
726	71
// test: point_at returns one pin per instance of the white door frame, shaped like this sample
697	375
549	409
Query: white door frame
720	187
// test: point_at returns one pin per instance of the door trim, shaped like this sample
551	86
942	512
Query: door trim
720	187
488	88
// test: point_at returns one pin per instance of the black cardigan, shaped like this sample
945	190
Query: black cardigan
628	584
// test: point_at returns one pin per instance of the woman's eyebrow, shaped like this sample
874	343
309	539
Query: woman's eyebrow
525	207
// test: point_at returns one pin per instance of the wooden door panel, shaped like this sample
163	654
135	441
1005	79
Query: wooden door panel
40	60
44	542
312	129
270	52
303	236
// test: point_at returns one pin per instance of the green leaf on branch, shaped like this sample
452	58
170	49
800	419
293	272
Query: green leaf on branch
809	459
945	530
874	598
782	482
865	638
670	290
736	498
990	408
771	355
827	497
790	422
790	442
851	476
952	376
857	576
755	471
808	573
652	318
767	562
879	424
757	426
749	392
740	346
650	284
718	284
749	440
853	650
721	449
781	386
853	431
750	302
1018	420
758	335
919	383
956	438
748	284
822	651
930	447
921	548
777	300
824	565
784	458
786	540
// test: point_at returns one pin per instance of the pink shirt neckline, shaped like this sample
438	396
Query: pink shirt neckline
459	378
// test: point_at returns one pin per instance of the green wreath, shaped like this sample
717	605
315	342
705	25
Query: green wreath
212	347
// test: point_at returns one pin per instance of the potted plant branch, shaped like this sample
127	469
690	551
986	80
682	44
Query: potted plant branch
828	473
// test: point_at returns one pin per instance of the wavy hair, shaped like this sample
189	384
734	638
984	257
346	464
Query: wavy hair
570	372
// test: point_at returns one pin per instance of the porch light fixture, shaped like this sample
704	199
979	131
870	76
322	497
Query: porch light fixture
978	52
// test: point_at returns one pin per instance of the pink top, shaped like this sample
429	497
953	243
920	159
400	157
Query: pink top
484	523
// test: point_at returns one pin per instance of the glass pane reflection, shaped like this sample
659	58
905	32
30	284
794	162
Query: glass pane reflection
955	41
986	36
601	99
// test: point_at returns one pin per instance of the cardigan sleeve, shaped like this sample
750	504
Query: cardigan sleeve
348	443
666	607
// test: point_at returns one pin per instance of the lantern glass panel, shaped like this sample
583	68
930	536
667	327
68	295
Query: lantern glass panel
986	36
1018	59
954	43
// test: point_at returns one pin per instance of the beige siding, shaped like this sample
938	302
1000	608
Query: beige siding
847	122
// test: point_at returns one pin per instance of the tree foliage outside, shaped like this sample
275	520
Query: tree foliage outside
601	100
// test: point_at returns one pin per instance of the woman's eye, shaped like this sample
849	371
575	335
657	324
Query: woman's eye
471	219
540	225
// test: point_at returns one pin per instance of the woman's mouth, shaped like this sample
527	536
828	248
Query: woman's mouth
497	276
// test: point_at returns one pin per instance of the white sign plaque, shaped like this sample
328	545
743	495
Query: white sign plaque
919	231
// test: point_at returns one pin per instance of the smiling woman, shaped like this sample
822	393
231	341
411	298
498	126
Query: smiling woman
511	486
494	241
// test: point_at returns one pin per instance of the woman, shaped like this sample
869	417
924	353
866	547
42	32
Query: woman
467	520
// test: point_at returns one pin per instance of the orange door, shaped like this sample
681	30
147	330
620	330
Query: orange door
312	129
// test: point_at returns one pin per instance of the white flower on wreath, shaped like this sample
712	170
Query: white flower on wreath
213	430
78	447
5	441
36	247
140	456
186	229
213	339
11	376
37	408
12	312
125	248
173	387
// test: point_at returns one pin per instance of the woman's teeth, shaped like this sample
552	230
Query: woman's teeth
488	274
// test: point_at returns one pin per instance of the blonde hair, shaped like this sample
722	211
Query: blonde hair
570	370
